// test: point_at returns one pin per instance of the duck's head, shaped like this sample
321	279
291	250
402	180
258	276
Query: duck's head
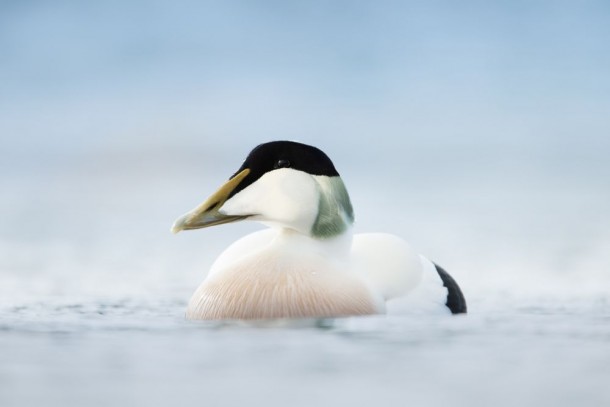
282	184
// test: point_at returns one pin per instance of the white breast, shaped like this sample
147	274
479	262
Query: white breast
266	275
274	274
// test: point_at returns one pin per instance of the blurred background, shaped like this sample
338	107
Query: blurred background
478	131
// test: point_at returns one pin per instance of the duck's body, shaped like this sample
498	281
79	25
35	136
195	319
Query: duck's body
309	263
281	274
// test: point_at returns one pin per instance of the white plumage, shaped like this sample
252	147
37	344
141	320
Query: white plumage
308	264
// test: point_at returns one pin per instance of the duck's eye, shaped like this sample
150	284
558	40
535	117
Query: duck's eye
281	164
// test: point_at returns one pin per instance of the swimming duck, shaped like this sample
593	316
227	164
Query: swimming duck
308	263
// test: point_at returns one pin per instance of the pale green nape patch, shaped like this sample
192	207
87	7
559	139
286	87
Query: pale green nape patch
335	212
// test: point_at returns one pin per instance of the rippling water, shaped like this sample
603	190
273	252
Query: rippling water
130	352
477	132
94	287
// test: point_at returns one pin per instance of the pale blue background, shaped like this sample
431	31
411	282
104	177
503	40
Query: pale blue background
528	78
479	131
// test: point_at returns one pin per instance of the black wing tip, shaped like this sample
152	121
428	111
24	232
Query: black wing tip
455	298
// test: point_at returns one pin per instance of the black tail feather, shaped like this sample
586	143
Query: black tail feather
455	299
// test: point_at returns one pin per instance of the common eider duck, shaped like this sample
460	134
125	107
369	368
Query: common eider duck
308	263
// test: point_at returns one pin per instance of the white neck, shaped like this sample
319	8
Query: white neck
314	205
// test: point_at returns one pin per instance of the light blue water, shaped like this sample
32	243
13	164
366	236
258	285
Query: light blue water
143	353
478	132
94	289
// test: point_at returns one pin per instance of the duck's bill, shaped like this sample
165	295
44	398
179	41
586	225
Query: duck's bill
207	214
